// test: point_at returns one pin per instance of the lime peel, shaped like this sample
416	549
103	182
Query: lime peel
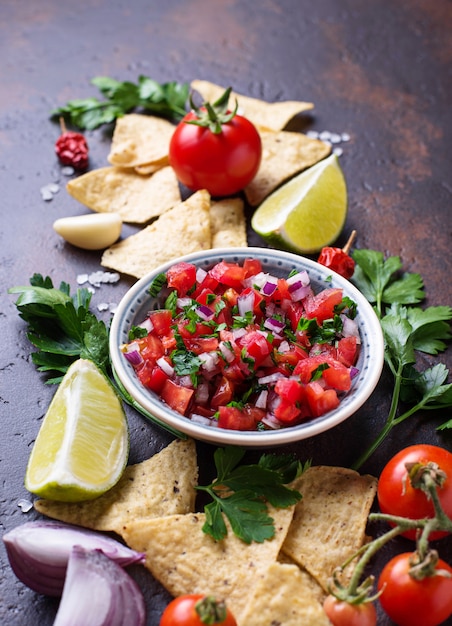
306	213
82	446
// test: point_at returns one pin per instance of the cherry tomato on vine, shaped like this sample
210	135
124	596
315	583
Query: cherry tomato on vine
215	149
396	496
196	610
411	602
341	613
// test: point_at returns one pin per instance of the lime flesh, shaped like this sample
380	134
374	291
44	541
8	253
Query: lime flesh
82	446
308	212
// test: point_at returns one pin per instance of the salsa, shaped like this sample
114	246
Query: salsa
235	347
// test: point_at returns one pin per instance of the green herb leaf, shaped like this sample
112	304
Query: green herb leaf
166	100
241	493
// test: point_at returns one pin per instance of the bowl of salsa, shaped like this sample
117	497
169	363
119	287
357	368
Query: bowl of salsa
246	346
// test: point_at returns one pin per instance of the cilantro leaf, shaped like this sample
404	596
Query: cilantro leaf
241	493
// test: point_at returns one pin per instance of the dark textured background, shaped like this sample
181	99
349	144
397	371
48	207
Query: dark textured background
378	70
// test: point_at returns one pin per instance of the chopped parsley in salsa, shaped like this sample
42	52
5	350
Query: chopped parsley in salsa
237	348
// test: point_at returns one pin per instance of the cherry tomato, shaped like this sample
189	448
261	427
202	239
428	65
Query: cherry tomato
189	610
396	496
341	613
411	602
223	163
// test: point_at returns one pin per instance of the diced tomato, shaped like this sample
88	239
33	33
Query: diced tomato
161	321
252	267
337	376
152	376
324	349
287	412
151	348
256	346
198	345
289	390
282	291
208	282
224	392
181	277
320	400
321	306
230	296
176	396
347	350
229	274
185	331
203	410
205	296
294	312
233	418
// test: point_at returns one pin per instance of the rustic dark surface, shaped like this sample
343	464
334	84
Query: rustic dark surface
378	70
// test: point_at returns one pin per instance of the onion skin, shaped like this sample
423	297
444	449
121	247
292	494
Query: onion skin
39	552
98	592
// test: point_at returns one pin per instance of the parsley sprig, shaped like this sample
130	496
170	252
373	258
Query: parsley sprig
163	99
61	326
241	493
407	330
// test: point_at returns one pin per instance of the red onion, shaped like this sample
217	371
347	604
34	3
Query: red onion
350	328
245	303
269	287
165	366
274	325
271	378
209	360
299	277
205	312
261	401
226	352
200	275
147	325
134	357
98	592
39	552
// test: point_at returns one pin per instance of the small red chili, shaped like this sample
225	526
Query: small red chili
72	148
338	259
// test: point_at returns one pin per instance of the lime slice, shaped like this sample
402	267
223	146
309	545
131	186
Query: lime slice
82	446
308	212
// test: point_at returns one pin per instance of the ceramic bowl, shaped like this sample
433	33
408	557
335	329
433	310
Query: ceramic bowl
137	302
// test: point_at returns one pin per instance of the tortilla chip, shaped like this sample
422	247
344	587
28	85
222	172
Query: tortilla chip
140	139
266	115
162	485
183	229
283	596
135	198
227	223
329	523
187	560
149	168
284	154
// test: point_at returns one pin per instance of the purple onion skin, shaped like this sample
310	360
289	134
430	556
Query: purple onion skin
39	551
98	592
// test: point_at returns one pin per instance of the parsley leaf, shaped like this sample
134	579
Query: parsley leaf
163	99
407	330
241	492
61	327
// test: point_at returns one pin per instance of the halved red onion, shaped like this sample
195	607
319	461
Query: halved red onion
39	551
98	592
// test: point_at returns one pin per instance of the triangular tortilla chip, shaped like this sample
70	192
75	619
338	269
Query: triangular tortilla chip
329	523
137	199
284	154
140	140
269	115
283	596
186	560
228	225
183	229
162	485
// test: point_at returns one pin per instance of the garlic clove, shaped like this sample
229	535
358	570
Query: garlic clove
95	231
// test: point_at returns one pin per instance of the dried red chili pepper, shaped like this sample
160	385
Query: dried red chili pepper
338	259
72	148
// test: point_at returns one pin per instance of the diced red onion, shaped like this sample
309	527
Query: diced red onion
182	303
271	378
39	552
226	351
200	275
134	357
299	292
165	366
284	346
209	360
245	303
205	312
238	332
98	592
354	371
203	420
271	421
350	328
274	325
261	400
202	393
269	287
147	325
300	277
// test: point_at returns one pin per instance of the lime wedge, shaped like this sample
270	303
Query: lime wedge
306	213
82	446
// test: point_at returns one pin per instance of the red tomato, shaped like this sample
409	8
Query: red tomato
347	350
320	400
396	496
223	163
224	393
152	376
189	610
229	274
181	277
341	613
411	602
233	418
176	396
321	306
161	321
